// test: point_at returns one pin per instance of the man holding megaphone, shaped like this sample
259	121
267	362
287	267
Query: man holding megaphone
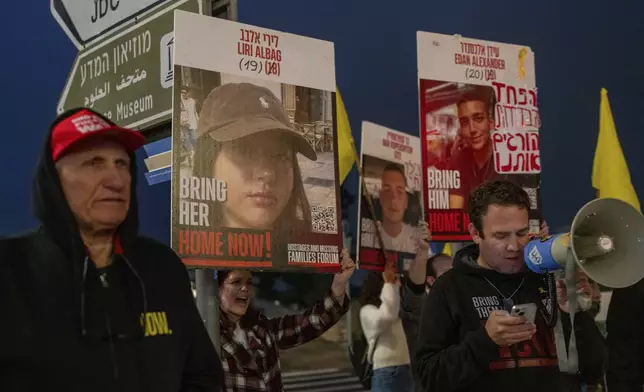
487	324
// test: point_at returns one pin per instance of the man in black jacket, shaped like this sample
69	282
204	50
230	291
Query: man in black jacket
468	342
86	303
624	327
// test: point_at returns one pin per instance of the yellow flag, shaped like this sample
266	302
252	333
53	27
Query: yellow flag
447	249
610	171
346	149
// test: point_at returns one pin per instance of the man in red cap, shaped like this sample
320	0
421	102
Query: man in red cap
86	303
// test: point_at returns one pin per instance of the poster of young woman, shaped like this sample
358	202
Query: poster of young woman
479	121
391	168
255	179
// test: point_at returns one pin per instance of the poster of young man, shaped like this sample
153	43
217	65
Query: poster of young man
255	179
479	122
391	169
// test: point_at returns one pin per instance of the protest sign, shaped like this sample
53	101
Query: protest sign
391	169
479	121
255	181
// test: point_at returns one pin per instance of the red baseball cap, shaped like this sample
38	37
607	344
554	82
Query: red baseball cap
84	124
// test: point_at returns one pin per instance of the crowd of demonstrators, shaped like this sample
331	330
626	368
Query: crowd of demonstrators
95	306
467	338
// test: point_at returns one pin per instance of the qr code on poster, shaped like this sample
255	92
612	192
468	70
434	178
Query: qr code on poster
325	219
532	194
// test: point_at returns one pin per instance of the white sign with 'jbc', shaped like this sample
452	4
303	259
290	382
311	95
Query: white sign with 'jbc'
93	17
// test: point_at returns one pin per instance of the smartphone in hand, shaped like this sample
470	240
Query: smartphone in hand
529	311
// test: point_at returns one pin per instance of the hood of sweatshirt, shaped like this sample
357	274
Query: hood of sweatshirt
465	261
52	209
505	285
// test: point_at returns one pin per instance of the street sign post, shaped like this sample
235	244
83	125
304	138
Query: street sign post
128	76
85	21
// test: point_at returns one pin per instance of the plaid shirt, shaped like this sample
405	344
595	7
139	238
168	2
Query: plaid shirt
257	369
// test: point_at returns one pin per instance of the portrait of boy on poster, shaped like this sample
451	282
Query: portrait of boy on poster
392	178
459	123
479	122
397	210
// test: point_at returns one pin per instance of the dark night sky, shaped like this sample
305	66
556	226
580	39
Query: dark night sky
579	48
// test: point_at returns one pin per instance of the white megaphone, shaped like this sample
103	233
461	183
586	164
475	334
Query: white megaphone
606	241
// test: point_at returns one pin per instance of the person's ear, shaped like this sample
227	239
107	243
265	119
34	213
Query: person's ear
430	281
476	235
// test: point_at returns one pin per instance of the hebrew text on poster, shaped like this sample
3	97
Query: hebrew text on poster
255	167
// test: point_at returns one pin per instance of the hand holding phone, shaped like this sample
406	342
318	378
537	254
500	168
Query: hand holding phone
527	311
506	329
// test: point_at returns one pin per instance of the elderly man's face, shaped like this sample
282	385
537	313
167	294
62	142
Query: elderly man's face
96	181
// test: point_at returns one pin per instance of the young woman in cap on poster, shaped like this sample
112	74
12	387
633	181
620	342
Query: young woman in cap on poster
247	140
251	342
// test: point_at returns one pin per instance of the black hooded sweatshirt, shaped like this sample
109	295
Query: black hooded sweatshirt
62	330
625	324
455	353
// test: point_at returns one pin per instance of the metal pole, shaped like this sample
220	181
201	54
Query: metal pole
208	303
346	243
205	279
349	332
233	10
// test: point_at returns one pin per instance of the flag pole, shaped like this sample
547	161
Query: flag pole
367	195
